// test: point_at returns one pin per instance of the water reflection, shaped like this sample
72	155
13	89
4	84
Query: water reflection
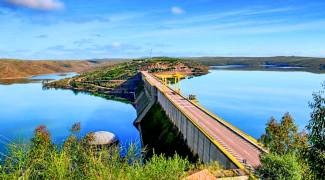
37	78
25	106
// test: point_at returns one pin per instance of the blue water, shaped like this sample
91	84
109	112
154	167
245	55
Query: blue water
23	107
54	76
248	99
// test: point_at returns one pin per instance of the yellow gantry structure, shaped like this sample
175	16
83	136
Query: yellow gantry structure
172	78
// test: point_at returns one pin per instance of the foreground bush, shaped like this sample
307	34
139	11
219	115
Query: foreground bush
77	160
276	166
316	127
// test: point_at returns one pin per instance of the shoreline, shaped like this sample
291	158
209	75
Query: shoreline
22	69
274	69
213	67
31	76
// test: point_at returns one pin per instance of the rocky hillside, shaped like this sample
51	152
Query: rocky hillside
110	79
12	69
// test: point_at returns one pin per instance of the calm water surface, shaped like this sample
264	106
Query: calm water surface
25	106
248	99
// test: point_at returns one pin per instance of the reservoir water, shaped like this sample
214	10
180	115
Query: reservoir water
23	107
248	99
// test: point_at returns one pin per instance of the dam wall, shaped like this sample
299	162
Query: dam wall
195	138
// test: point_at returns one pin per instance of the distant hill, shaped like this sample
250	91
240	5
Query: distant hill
12	69
311	64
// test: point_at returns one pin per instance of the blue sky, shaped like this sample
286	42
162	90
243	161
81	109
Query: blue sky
79	29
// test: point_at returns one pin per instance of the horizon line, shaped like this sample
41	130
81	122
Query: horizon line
130	58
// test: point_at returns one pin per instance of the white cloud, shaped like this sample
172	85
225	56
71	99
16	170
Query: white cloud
177	10
116	45
38	4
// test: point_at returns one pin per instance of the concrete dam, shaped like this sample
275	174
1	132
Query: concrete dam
207	135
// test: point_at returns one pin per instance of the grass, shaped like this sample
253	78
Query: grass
75	159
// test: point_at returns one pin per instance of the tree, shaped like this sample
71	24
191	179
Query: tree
283	137
286	146
316	139
275	166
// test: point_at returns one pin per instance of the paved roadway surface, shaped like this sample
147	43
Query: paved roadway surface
236	145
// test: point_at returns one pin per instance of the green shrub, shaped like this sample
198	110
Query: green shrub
283	137
276	166
76	159
315	154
